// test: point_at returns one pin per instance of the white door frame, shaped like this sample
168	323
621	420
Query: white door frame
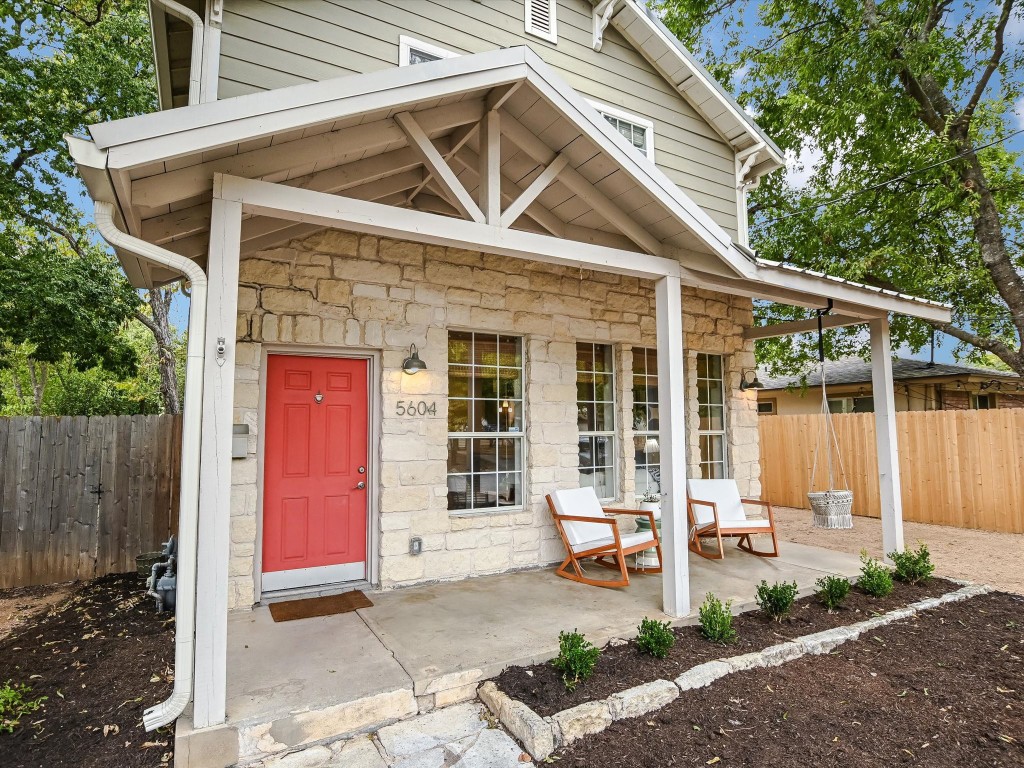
373	423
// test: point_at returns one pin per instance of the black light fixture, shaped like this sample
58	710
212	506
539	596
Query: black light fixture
412	364
753	383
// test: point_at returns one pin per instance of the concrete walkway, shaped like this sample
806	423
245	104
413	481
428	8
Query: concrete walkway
304	682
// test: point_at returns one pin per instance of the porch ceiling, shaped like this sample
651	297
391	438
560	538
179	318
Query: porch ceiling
424	138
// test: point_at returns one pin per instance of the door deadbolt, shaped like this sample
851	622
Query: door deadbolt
362	470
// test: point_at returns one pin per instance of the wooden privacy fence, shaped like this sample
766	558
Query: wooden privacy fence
959	468
81	496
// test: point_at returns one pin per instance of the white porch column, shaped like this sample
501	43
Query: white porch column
672	440
215	466
885	435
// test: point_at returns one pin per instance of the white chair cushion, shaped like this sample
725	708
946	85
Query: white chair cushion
628	540
750	522
726	497
581	502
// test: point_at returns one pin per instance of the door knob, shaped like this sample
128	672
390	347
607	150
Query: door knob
360	486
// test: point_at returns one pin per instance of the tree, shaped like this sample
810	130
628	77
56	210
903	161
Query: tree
64	66
907	108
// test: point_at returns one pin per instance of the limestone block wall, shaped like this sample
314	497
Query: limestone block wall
346	291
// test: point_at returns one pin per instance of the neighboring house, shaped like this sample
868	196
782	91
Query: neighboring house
919	386
541	203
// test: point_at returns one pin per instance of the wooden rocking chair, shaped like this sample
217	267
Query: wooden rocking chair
588	530
716	509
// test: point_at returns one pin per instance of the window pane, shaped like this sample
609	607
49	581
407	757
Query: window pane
603	387
459	455
485	454
459	377
458	492
584	357
485	416
510	416
510	489
485	349
458	415
511	348
485	382
510	454
586	453
604	417
421	57
459	347
603	482
510	382
603	358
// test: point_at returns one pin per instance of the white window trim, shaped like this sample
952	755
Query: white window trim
552	35
724	431
407	44
520	436
643	122
612	434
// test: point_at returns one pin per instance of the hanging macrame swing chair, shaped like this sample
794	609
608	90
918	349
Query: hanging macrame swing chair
831	508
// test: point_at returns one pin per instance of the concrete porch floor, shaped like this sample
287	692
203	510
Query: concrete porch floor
299	682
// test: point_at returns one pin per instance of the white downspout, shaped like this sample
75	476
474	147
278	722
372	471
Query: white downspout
195	69
192	422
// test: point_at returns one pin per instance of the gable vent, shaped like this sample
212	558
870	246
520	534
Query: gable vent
540	19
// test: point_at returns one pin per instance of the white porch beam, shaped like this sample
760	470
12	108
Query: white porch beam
164	188
301	205
215	466
439	168
458	140
469	160
498	96
489	189
799	326
890	492
532	192
522	136
675	579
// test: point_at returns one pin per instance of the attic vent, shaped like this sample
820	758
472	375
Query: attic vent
540	19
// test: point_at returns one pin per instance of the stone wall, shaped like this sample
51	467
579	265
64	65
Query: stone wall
342	290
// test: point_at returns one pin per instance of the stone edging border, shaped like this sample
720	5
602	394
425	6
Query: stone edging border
541	735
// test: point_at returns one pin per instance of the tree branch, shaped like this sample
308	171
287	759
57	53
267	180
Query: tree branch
990	68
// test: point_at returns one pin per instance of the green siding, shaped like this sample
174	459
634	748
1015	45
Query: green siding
275	43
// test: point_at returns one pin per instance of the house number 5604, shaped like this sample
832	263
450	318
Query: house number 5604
416	408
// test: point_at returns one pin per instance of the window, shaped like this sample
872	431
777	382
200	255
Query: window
766	406
983	402
638	131
595	403
851	404
485	421
540	19
645	421
711	416
412	51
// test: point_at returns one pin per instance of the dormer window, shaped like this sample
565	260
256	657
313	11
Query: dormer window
540	19
412	51
637	131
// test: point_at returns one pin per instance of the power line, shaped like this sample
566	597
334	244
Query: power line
895	179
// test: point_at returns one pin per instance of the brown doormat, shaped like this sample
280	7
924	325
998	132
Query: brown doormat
290	610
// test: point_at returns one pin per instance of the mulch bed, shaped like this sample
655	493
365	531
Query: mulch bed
620	667
100	658
942	689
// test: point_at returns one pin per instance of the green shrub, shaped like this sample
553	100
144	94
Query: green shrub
655	638
576	658
777	599
832	590
875	578
913	566
716	620
15	704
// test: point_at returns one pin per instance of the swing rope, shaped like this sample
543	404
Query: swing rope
832	508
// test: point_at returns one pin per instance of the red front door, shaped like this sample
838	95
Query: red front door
315	471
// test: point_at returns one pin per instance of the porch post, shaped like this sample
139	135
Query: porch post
672	441
885	435
215	463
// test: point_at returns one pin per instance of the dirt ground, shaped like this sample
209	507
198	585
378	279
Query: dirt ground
19	604
979	556
619	667
99	658
897	697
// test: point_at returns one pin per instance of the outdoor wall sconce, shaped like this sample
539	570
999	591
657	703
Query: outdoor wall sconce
412	364
753	383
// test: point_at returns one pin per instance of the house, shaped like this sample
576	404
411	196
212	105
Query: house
445	257
919	386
